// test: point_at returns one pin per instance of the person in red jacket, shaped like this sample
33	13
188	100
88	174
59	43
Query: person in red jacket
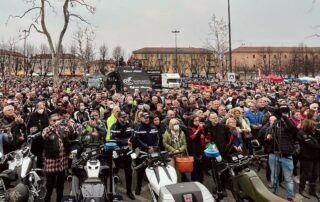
196	145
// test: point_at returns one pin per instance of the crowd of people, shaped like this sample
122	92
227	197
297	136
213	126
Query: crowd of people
283	118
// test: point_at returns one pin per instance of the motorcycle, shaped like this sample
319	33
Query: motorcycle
92	173
22	180
245	184
163	184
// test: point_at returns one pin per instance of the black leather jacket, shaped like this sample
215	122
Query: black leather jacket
121	133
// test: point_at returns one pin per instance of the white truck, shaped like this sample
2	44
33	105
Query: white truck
171	80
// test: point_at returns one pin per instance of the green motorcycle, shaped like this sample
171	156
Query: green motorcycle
244	183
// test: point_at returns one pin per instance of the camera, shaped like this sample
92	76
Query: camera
279	110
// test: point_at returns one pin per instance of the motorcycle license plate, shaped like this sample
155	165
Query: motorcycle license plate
187	198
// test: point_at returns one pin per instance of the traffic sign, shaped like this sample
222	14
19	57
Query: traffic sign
232	77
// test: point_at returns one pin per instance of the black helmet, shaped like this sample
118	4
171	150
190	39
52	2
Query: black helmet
19	193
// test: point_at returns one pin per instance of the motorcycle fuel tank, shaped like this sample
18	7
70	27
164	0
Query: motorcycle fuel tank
161	176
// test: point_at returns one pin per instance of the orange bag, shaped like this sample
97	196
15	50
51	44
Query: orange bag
184	164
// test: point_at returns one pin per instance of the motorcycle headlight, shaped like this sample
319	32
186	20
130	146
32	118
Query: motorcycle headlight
31	178
73	154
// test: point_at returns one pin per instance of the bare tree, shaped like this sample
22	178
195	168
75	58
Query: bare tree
117	54
13	63
30	51
39	23
85	48
103	50
218	41
41	60
73	62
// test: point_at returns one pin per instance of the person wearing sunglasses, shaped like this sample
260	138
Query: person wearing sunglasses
56	137
94	127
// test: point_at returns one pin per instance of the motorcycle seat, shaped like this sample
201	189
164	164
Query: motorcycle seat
262	193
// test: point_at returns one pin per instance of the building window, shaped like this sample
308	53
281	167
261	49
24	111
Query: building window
285	56
275	56
264	56
253	56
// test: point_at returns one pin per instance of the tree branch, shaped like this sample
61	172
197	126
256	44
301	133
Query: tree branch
44	27
314	35
36	28
66	23
21	16
80	18
90	8
50	5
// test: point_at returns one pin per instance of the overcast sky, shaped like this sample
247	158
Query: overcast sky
135	24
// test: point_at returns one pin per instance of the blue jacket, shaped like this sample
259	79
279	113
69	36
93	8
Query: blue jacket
254	118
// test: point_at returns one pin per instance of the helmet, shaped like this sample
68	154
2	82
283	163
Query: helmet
19	193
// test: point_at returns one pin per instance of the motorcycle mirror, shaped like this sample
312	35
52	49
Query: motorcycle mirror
133	156
219	158
234	158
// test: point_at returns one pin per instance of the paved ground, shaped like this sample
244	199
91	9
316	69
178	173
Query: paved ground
145	196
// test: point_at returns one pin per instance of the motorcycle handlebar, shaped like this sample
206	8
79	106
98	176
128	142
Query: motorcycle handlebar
35	135
175	153
139	166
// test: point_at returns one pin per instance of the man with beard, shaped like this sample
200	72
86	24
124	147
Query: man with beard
55	138
95	128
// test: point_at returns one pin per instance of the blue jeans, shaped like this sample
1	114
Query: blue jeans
286	164
6	138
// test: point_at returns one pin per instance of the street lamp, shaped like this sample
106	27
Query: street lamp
176	52
24	50
229	26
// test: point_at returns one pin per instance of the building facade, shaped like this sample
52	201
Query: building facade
102	66
189	60
10	62
42	63
283	61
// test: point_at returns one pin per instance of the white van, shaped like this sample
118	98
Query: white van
170	80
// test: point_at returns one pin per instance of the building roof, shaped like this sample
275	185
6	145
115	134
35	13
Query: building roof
157	50
13	53
109	61
49	56
273	49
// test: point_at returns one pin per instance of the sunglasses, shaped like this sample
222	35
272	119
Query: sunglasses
55	120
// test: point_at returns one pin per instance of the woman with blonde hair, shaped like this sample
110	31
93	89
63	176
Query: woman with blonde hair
174	140
237	142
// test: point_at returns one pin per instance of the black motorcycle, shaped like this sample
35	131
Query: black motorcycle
92	173
21	180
